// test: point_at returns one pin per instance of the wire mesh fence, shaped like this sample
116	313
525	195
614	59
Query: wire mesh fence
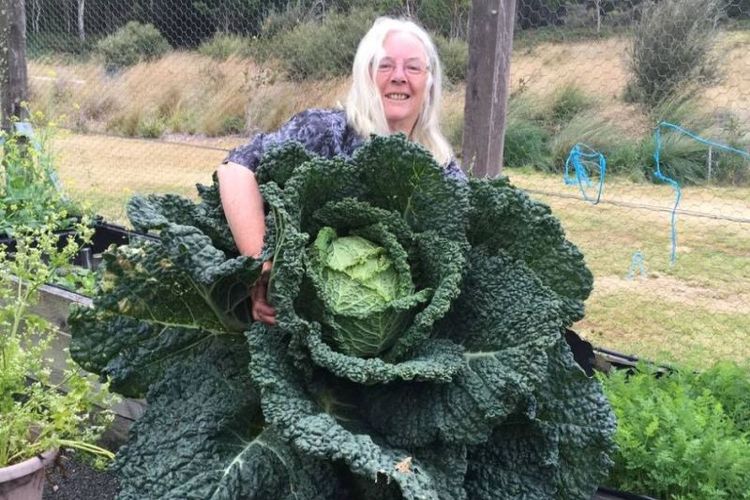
630	118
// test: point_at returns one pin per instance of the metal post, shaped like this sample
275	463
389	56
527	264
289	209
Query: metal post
487	85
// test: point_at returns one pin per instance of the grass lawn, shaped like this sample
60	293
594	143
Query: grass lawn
695	311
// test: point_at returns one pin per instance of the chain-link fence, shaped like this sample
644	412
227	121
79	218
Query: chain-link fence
630	118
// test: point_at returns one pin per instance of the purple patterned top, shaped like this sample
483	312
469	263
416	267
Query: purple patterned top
324	132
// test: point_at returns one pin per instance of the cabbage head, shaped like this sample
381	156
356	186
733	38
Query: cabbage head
365	292
418	351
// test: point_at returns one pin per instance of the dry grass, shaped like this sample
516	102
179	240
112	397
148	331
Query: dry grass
107	171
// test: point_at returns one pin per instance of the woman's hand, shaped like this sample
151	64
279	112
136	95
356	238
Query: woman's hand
261	309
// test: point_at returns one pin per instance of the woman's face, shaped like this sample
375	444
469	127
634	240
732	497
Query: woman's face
401	77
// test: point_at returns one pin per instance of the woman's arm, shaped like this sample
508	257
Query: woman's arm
243	208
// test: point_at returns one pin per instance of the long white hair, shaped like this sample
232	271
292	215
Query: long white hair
364	107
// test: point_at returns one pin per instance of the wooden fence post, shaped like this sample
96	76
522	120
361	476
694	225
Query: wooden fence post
487	85
13	79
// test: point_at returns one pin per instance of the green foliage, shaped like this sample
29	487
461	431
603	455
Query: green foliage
321	49
676	434
40	410
569	101
474	395
30	192
279	21
454	56
526	144
588	128
448	18
43	45
685	159
78	279
739	9
131	44
672	48
223	45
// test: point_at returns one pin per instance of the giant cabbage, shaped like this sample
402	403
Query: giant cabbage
418	351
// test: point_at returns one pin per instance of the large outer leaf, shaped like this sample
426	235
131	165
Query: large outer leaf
436	360
155	212
505	218
317	434
202	437
159	300
562	453
402	177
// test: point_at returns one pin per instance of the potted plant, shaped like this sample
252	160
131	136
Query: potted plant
42	407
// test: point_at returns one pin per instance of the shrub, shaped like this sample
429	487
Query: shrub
685	159
676	434
317	50
31	196
281	21
587	128
672	46
526	143
568	101
131	44
152	126
447	17
222	46
454	55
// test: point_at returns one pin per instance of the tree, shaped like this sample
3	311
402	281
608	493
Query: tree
81	29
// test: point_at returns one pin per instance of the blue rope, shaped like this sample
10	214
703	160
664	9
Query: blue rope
678	192
637	263
579	158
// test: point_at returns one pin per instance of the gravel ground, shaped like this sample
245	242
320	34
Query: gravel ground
73	480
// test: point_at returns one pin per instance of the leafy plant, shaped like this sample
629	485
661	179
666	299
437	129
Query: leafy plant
526	143
39	411
678	436
672	48
454	56
222	46
567	102
30	193
77	279
321	49
418	351
131	44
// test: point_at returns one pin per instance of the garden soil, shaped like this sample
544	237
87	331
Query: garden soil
74	480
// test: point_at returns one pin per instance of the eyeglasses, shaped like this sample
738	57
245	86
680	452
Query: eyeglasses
413	67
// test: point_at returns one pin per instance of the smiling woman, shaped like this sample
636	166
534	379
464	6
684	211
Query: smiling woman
402	84
396	88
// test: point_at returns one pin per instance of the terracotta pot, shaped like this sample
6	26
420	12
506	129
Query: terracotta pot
25	481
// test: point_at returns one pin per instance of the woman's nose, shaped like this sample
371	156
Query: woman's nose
398	74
